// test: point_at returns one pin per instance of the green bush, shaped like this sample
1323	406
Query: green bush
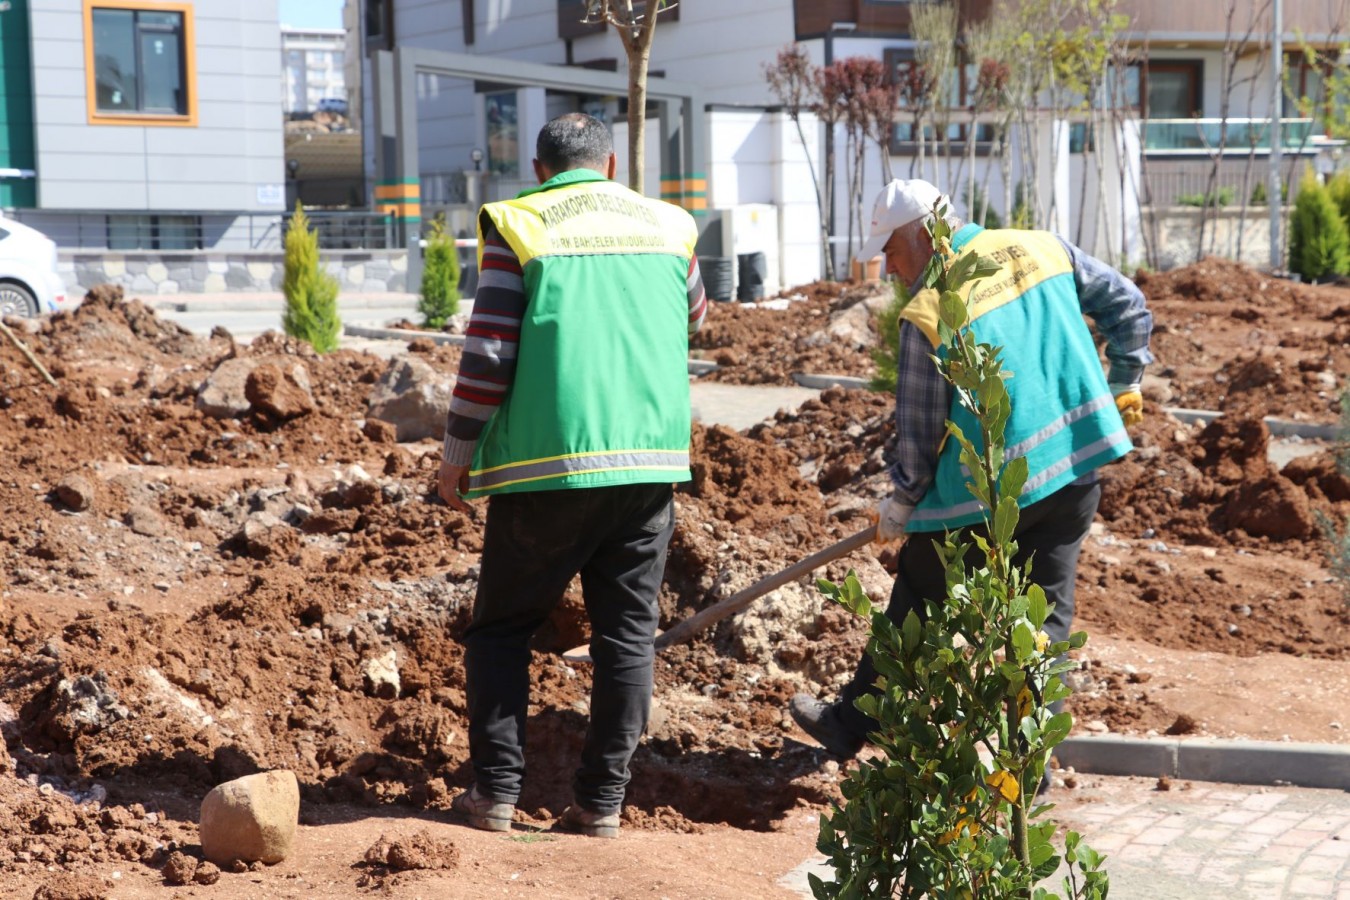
1319	242
1220	197
311	293
884	354
440	276
1260	196
1339	188
931	817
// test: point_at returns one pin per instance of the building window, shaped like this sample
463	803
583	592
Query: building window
1173	88
502	139
379	25
139	63
159	232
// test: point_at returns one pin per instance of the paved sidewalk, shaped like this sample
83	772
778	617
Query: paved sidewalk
1199	840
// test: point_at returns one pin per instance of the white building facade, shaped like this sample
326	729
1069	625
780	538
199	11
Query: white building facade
313	67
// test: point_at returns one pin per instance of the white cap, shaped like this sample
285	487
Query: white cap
899	203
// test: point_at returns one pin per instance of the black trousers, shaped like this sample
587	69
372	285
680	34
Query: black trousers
533	545
1049	532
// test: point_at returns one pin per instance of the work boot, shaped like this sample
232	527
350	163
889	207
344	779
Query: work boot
581	820
484	812
821	720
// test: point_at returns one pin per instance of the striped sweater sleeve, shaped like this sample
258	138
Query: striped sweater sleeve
698	298
487	366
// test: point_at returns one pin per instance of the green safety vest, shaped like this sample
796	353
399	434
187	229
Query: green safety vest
1064	419
601	390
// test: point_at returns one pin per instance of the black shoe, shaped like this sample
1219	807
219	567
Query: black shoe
821	720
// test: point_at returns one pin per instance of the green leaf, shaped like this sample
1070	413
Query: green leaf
1005	520
1037	606
953	310
910	631
1024	641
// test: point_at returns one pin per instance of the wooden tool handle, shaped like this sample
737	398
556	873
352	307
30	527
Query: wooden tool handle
743	598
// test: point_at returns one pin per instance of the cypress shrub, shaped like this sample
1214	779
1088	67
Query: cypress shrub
440	277
1319	242
311	293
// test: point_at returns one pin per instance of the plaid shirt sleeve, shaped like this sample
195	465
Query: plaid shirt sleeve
922	401
1118	308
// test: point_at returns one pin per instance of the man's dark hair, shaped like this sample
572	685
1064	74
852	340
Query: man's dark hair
574	141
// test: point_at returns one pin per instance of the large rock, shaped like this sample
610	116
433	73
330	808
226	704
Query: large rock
281	393
251	819
412	396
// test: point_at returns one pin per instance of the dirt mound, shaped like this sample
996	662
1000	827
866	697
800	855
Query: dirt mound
188	599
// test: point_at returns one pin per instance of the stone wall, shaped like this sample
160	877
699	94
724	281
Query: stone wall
1178	229
204	272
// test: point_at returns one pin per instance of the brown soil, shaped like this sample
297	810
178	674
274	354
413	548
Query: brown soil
211	612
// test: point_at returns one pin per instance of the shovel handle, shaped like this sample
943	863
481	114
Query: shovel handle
741	599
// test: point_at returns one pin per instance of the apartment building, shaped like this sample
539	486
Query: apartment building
313	69
140	124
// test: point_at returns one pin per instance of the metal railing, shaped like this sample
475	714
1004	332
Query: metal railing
348	230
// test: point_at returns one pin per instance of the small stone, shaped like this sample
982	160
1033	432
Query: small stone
1096	726
179	868
207	873
75	492
381	674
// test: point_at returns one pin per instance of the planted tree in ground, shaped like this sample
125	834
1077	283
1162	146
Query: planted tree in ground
793	80
1319	242
635	22
439	298
931	818
311	293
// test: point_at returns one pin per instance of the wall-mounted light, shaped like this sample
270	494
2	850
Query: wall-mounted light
292	166
477	156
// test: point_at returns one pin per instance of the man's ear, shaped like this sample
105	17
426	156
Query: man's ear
539	171
611	166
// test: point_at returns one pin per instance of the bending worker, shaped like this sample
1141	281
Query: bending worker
1067	418
571	414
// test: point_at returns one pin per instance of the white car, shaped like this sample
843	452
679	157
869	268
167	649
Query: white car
29	282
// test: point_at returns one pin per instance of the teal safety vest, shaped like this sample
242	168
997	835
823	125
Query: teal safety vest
1064	419
601	390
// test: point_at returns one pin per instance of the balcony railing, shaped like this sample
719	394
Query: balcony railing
1202	136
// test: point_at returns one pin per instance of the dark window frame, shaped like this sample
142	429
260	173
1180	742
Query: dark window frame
1194	67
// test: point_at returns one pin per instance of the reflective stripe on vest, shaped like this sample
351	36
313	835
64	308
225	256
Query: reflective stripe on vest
579	464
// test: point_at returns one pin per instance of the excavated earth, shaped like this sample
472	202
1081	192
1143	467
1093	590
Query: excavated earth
187	598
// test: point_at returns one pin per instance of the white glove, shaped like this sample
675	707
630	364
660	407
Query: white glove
892	516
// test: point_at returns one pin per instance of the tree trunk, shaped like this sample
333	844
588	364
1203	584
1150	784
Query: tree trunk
638	61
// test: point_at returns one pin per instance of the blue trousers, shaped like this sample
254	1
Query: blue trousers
533	545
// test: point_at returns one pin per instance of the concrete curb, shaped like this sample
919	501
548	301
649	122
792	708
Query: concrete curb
821	382
263	302
1278	427
1210	759
400	334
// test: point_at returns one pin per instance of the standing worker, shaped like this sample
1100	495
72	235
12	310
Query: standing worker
571	414
1067	418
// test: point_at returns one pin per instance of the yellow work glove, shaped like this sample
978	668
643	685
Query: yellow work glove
1130	403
